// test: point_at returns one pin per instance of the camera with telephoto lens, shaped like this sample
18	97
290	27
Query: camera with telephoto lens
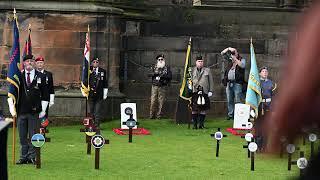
227	55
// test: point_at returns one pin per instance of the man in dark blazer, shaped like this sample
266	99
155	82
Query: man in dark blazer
49	80
32	105
98	83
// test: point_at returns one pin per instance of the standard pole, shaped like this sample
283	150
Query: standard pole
130	135
14	141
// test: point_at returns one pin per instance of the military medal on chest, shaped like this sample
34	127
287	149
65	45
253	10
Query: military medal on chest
102	75
38	82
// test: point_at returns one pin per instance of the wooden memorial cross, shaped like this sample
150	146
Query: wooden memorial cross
130	123
290	150
218	136
252	147
312	138
248	137
38	140
89	130
98	141
302	163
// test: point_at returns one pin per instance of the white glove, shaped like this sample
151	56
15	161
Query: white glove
44	105
42	114
12	108
252	113
209	94
51	100
105	93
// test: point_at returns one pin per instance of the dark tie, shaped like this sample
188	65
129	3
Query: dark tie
28	79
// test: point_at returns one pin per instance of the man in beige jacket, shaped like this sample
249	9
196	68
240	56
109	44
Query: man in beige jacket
202	89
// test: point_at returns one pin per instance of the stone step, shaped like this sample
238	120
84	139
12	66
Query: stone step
240	3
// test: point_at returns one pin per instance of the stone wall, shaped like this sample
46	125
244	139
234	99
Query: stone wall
59	37
58	34
127	39
212	29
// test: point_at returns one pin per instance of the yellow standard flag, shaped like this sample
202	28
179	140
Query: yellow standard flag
186	86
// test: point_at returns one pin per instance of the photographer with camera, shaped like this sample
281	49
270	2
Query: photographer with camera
202	82
233	78
161	78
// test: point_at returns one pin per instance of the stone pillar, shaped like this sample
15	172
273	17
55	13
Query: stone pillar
113	51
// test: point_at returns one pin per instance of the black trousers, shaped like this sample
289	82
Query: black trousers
28	125
3	154
95	108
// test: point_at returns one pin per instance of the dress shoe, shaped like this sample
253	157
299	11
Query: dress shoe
229	118
32	161
201	127
195	127
22	161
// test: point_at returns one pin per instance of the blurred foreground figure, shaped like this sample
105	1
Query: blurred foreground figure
298	100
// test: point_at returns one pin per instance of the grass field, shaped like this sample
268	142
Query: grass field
171	152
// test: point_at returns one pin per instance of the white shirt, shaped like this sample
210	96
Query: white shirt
32	73
232	74
96	70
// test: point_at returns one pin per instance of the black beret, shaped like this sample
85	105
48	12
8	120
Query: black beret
28	56
95	59
160	55
264	67
199	58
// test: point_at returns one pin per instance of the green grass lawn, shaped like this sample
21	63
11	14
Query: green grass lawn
171	152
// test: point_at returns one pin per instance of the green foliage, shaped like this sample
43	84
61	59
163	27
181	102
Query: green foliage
171	152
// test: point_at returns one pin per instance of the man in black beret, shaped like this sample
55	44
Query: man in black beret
32	105
98	90
161	77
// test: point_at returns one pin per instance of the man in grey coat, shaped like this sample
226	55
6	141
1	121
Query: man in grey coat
202	82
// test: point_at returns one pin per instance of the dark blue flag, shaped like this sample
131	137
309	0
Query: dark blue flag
14	74
85	88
